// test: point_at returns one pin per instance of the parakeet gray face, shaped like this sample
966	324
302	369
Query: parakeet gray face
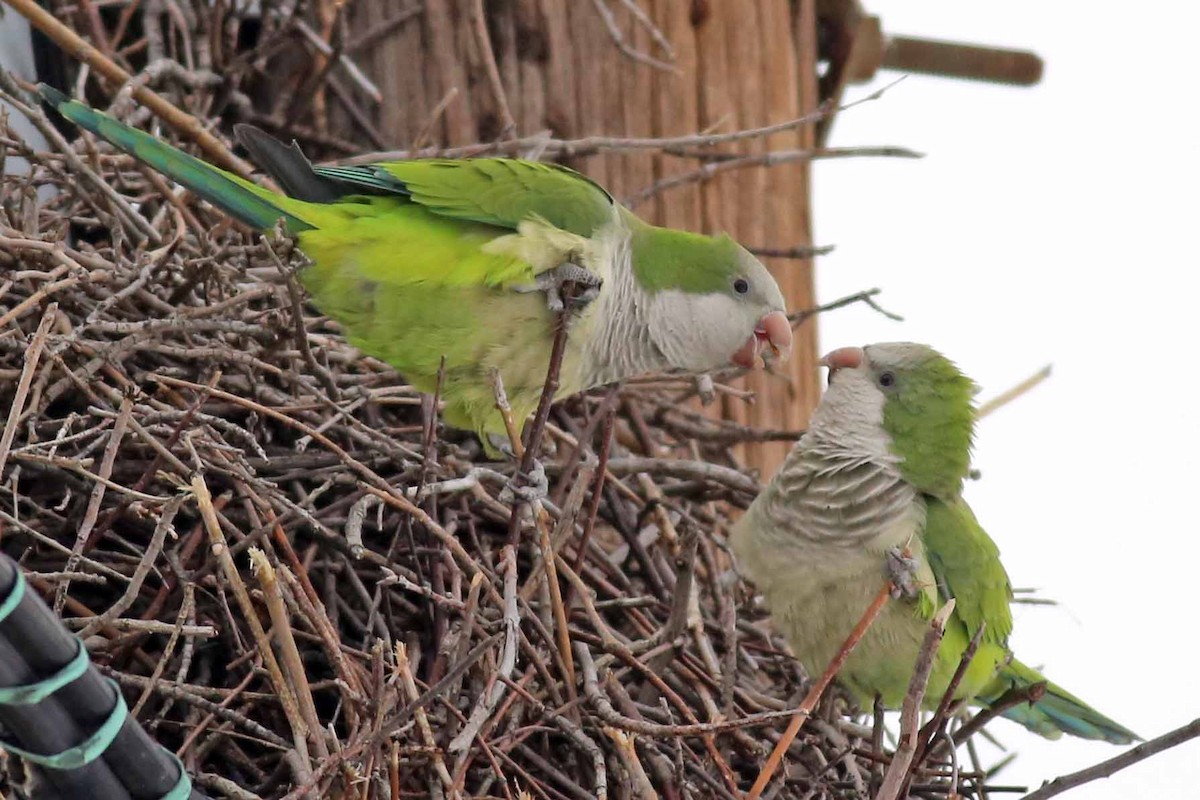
851	410
906	401
742	323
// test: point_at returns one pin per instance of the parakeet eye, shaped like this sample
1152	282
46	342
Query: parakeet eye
887	379
741	285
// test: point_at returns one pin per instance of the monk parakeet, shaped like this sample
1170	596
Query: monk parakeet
880	470
463	259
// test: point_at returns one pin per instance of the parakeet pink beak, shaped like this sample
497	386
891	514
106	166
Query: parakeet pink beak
772	336
843	358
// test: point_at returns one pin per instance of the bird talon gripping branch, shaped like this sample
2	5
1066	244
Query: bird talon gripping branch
568	285
902	571
526	487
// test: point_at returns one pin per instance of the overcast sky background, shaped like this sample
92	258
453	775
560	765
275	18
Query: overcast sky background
1055	224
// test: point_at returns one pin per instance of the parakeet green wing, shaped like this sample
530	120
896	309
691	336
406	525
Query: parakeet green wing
966	563
494	191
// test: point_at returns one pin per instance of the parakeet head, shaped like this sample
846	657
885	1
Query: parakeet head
909	401
712	302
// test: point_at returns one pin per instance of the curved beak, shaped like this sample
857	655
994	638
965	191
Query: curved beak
843	358
772	338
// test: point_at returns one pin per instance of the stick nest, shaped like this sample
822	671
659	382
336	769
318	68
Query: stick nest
307	586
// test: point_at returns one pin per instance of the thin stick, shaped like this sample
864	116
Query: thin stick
533	439
814	694
714	168
614	32
185	123
484	40
292	663
1013	697
910	710
33	354
591	145
220	549
930	730
1107	768
1006	397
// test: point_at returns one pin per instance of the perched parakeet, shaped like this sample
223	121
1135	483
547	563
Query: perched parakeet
880	469
463	258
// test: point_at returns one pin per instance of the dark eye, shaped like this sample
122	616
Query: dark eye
887	379
741	285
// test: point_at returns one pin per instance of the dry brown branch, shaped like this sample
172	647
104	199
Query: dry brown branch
693	145
183	122
910	712
1115	764
712	169
614	31
1007	396
484	41
814	693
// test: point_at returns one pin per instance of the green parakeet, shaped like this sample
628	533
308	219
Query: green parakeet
460	258
881	467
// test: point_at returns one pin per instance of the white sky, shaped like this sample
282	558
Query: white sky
1055	224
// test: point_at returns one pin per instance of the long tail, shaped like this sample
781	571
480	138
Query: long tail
1058	711
241	199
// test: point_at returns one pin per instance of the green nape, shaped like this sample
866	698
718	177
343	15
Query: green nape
245	201
931	420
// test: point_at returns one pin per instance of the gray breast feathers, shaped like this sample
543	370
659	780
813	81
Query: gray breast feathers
844	501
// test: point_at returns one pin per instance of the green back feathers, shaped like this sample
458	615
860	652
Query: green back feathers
670	259
493	191
251	204
930	417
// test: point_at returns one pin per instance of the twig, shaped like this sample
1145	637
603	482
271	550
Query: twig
1013	697
592	145
814	693
633	765
186	124
292	663
799	251
221	550
931	729
32	355
710	170
1006	397
97	497
484	41
404	671
508	659
910	712
1107	768
799	317
614	32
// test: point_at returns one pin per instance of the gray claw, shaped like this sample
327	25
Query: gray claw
587	285
527	487
902	569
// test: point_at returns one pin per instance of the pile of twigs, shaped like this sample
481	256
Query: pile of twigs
307	587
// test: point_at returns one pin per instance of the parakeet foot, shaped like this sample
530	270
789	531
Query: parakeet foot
498	446
902	569
526	487
552	281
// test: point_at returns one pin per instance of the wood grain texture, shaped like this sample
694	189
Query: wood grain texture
738	64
